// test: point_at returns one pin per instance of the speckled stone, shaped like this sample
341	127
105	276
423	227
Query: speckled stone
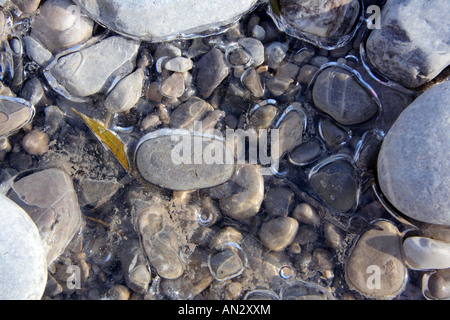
413	167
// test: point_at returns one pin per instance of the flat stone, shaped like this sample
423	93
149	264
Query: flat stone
179	64
23	267
323	18
173	86
126	93
51	201
422	253
413	167
337	93
86	72
178	160
182	19
14	113
411	48
375	266
160	241
192	110
212	70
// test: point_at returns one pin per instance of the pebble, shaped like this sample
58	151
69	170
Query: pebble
191	283
333	134
329	19
263	117
306	73
126	93
303	56
173	86
256	49
179	64
423	253
53	205
333	236
375	267
346	100
160	241
279	201
307	152
413	167
23	265
59	25
303	212
36	142
337	185
150	122
177	170
37	52
252	82
212	70
118	292
439	284
86	72
409	48
14	114
290	132
224	236
187	113
27	6
226	264
185	19
278	233
274	53
278	86
246	203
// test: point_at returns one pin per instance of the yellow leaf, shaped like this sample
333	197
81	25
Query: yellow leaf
275	7
108	138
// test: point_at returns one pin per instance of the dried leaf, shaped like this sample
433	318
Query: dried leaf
108	138
275	7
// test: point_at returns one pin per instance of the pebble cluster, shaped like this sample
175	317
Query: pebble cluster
356	205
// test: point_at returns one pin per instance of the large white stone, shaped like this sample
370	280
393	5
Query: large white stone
23	268
164	19
413	163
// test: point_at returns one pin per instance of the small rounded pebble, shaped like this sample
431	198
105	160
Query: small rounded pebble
36	143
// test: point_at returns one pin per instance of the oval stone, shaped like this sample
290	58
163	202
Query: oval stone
182	18
375	267
337	93
23	269
182	160
413	166
423	253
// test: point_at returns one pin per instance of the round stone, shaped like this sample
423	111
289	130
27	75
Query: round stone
413	166
278	233
337	93
179	160
375	267
23	267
